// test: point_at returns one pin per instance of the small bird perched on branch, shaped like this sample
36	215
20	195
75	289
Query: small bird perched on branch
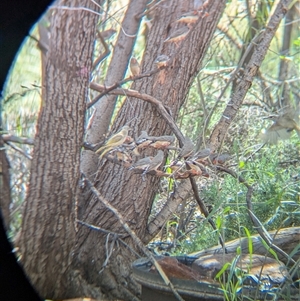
178	35
114	141
142	142
148	164
142	164
134	66
186	150
281	128
161	61
120	155
161	142
202	155
219	159
177	167
156	162
188	18
194	170
142	138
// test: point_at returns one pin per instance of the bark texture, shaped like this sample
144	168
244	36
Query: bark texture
118	66
48	225
122	188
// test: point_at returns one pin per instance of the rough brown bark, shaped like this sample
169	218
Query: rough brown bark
104	108
48	232
123	189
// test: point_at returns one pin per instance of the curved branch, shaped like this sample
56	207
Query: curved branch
165	112
105	90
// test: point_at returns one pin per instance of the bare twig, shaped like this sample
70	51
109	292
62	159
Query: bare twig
118	235
256	151
204	209
103	55
133	236
19	150
99	229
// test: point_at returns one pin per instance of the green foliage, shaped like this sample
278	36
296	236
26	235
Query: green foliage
275	200
272	171
199	239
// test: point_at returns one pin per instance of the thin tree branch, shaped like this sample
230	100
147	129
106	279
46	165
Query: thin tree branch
16	139
99	229
118	235
103	55
158	104
19	150
118	84
204	209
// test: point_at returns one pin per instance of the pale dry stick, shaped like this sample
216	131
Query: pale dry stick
108	251
19	150
200	91
133	236
118	235
255	152
104	55
201	96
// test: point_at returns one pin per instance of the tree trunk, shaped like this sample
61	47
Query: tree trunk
122	188
48	227
118	65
